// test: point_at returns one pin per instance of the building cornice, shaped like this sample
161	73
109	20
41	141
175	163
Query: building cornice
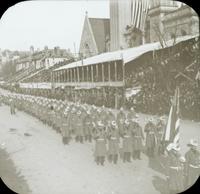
161	9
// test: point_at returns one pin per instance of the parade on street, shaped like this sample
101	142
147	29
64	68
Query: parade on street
108	103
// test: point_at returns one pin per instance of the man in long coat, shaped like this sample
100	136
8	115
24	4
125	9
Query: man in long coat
131	114
121	117
100	146
79	133
88	126
113	142
65	130
127	142
159	134
192	167
138	137
12	106
175	170
151	139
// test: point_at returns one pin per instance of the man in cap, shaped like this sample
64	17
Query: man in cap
127	142
121	117
109	117
12	106
100	146
65	127
73	117
131	114
88	126
159	134
192	167
151	140
175	169
138	137
113	142
79	127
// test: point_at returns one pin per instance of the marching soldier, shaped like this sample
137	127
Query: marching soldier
79	127
151	140
51	115
127	142
113	143
175	170
121	117
88	126
12	106
65	127
138	137
100	146
192	167
159	134
110	117
73	117
132	114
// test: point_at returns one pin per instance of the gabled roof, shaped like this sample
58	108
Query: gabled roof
101	29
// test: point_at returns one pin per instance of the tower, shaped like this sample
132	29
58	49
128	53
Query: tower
158	9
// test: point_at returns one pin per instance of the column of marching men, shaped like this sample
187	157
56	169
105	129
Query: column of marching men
115	135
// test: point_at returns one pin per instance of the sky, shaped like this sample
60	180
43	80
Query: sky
48	23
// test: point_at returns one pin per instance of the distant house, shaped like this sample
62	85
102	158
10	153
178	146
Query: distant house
95	37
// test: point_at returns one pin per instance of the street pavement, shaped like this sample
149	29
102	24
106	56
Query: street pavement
46	166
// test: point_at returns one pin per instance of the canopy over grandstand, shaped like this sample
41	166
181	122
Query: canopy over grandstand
125	55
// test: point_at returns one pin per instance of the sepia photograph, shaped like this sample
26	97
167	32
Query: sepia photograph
99	97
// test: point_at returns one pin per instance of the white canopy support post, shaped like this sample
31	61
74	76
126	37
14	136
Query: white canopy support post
92	73
83	74
97	72
78	75
123	69
87	75
115	71
103	79
71	75
109	72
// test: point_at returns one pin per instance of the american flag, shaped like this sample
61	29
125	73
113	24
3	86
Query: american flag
172	133
139	10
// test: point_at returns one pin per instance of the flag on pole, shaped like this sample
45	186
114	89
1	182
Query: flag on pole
172	133
139	10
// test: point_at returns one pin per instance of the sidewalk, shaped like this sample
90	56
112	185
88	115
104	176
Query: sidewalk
10	176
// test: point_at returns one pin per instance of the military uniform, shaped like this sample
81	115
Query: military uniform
113	143
131	114
137	140
100	146
12	106
79	133
175	172
127	143
88	127
192	167
121	117
151	140
65	128
159	134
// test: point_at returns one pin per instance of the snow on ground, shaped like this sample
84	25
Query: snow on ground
49	167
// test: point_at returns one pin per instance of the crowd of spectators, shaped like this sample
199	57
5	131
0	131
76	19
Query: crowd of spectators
157	79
